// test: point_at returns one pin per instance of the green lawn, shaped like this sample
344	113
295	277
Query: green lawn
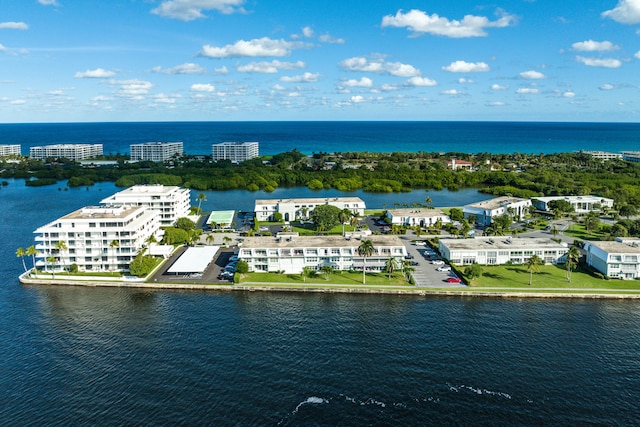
579	232
549	276
337	278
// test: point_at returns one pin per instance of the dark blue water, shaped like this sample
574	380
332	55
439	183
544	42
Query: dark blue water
314	137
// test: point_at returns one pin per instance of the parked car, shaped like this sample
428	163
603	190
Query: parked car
414	263
420	243
263	229
408	256
453	280
443	268
437	262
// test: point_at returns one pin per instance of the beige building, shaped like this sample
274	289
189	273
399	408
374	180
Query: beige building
422	217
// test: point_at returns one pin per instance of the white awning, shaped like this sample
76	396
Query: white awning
194	260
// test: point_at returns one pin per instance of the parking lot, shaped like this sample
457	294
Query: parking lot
430	269
210	275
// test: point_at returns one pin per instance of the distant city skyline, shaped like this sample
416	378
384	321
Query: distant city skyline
234	60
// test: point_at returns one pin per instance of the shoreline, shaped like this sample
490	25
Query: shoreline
253	287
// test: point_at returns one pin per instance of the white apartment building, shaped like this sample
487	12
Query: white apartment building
293	209
234	151
604	155
485	211
620	258
155	151
291	253
170	201
68	151
422	217
98	238
10	150
631	156
500	250
580	204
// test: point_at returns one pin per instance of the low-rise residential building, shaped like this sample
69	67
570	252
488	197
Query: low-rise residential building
97	238
620	258
604	155
485	211
631	156
580	204
293	209
10	150
75	152
291	253
455	164
155	151
235	151
500	250
422	217
170	201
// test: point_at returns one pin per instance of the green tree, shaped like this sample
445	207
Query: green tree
560	206
502	223
114	245
533	264
326	270
185	224
325	217
407	268
344	216
61	246
365	250
591	221
473	271
306	272
33	253
21	253
52	260
201	198
390	266
277	216
628	211
210	239
242	267
572	258
456	214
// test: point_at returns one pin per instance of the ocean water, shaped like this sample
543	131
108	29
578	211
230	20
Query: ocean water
315	137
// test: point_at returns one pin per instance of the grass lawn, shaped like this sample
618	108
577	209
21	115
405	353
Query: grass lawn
579	232
310	229
336	278
549	276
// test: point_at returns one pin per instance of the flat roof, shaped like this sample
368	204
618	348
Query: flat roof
571	198
416	212
500	243
316	200
496	203
153	189
616	247
103	212
221	217
317	242
194	260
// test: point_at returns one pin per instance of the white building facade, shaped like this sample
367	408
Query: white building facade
169	201
291	253
619	259
235	151
484	212
68	151
417	217
10	150
500	250
293	209
155	151
580	204
97	238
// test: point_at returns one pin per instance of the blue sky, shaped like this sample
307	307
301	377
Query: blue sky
174	60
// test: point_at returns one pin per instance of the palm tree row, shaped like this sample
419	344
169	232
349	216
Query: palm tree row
30	251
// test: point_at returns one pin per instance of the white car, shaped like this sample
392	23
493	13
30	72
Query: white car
443	268
263	228
437	262
421	243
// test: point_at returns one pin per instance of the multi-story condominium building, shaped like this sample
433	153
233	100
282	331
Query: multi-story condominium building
234	151
68	151
10	150
155	151
631	156
580	204
422	217
500	250
97	238
620	259
171	202
292	209
291	253
604	155
485	211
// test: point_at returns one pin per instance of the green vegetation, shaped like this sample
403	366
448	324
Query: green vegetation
143	264
380	279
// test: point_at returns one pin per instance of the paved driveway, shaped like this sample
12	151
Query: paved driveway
425	274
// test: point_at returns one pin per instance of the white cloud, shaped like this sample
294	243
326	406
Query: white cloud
326	38
222	70
307	32
527	91
626	12
356	99
419	22
98	73
496	86
607	86
48	2
463	81
600	62
269	67
532	75
637	54
363	82
101	98
2	48
161	98
303	78
359	63
18	102
421	81
594	46
388	87
133	88
13	26
188	68
188	10
451	92
203	87
495	104
252	48
466	67
278	87
569	94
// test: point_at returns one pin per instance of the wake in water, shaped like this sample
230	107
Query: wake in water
478	391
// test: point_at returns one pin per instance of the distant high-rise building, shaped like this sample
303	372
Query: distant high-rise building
155	151
235	151
10	150
68	151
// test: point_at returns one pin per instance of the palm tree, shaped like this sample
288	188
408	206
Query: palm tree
428	202
226	239
151	239
390	266
407	268
201	197
306	272
344	216
113	245
572	258
354	222
327	270
52	261
554	231
20	253
61	246
533	264
365	250
32	252
210	239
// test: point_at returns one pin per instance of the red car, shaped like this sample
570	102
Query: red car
454	280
